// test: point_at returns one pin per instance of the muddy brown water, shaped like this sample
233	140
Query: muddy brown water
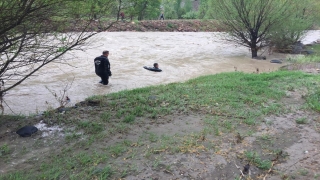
181	56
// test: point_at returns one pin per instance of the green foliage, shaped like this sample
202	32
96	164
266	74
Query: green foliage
140	9
302	120
4	149
190	15
203	9
293	28
253	157
178	9
255	23
90	127
129	119
87	9
304	59
314	100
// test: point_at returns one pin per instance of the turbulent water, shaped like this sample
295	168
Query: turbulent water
181	56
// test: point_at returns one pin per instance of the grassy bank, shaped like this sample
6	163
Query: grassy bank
101	140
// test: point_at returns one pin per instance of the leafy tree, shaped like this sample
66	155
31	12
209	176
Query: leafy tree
203	9
168	6
88	8
250	22
283	36
178	9
31	38
141	9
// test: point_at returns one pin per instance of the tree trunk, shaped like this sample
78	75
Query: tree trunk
254	52
254	49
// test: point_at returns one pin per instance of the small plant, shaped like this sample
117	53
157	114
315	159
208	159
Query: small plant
4	149
250	121
120	128
303	172
104	173
62	98
129	119
255	158
90	127
301	121
265	137
105	117
117	150
153	137
170	25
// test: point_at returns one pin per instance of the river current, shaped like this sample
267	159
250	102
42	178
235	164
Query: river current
181	56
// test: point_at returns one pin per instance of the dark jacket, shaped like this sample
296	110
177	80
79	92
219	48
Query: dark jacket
102	64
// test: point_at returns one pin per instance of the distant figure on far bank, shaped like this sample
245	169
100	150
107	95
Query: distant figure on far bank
161	16
102	67
122	16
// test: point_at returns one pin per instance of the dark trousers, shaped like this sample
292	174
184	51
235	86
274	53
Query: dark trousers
104	78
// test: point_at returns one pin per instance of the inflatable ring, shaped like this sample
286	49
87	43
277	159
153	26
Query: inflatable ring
152	69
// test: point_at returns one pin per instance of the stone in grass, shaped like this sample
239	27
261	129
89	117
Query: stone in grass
27	131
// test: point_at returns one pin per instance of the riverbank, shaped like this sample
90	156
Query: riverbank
202	128
208	127
168	26
179	25
151	26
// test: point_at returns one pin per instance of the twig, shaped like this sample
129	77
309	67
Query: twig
9	107
239	170
264	178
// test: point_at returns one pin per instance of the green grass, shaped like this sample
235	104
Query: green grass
302	121
227	100
315	49
4	150
313	100
303	172
254	158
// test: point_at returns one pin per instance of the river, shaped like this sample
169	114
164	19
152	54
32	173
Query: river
181	56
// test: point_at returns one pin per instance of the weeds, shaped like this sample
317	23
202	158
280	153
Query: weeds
4	150
253	157
105	117
302	120
303	172
129	119
90	127
117	150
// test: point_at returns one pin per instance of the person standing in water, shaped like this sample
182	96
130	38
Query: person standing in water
102	67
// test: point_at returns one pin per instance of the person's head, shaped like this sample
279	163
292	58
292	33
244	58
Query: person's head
105	53
156	65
